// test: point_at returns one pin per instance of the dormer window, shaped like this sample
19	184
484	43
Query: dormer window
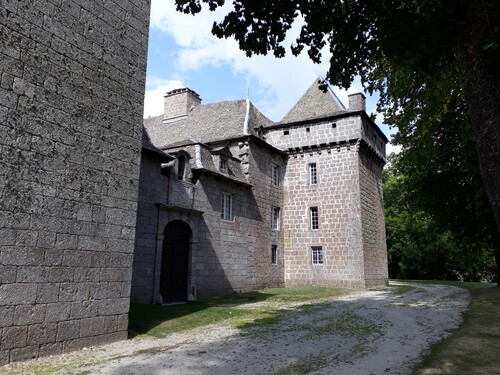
223	166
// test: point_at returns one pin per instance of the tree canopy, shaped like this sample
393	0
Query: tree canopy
404	49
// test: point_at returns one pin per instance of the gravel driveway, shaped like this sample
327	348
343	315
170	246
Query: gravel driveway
374	332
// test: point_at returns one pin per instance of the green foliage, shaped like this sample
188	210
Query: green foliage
419	247
361	37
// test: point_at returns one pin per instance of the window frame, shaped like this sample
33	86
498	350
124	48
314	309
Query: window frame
317	256
314	217
223	165
275	174
227	206
275	218
313	173
274	254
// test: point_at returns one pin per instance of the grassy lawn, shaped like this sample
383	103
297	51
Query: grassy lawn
474	348
240	310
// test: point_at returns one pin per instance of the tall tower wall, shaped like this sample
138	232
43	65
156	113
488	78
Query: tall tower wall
71	104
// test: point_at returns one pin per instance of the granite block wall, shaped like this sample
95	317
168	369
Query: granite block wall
339	233
71	98
236	255
349	155
373	222
153	189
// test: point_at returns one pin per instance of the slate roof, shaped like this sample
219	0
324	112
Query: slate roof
206	123
315	103
148	146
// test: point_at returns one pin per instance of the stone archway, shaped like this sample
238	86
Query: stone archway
175	261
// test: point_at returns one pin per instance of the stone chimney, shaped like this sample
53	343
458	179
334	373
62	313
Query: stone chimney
357	102
178	103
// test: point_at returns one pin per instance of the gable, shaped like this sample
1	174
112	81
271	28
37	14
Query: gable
315	103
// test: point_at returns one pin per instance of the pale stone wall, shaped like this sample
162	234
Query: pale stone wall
340	234
348	196
71	98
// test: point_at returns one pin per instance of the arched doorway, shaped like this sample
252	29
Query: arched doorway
175	262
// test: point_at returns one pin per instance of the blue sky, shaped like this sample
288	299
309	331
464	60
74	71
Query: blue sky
183	53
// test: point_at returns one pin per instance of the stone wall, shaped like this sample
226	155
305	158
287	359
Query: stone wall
153	189
336	195
71	98
236	255
225	256
348	152
373	222
297	135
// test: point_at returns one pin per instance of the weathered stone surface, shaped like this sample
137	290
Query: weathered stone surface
14	337
71	93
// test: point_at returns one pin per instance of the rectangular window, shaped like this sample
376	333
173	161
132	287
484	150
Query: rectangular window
286	132
274	254
313	174
275	218
223	165
226	206
275	174
317	255
314	218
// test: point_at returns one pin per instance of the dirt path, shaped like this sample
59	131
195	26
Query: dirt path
375	332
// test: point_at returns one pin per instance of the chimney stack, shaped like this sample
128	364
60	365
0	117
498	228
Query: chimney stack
357	102
178	103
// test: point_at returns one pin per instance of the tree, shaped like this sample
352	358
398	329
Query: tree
418	246
438	158
389	43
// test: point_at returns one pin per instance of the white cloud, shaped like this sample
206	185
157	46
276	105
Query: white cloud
275	84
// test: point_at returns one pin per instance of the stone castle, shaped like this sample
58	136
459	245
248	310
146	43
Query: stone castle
244	203
231	201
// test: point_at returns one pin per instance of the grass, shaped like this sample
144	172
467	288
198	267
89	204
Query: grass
474	348
241	310
404	289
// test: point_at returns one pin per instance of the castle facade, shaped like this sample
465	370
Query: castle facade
230	201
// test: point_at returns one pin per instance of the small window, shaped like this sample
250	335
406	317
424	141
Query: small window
314	218
223	165
313	174
275	218
317	255
275	174
286	132
274	254
334	125
308	130
226	206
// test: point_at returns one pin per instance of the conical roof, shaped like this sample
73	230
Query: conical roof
315	103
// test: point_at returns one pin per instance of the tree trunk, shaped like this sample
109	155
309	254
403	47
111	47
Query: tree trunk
480	78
